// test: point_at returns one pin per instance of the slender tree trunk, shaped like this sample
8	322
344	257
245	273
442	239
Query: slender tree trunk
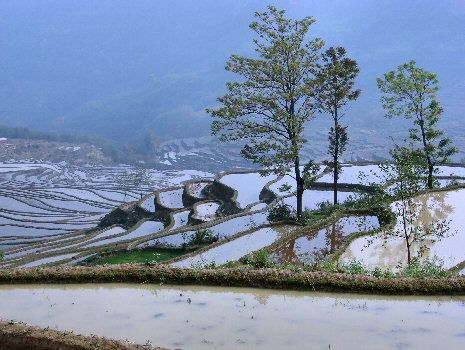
430	175
406	235
335	160
428	156
300	187
409	258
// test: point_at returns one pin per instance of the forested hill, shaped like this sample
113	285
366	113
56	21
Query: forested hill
121	69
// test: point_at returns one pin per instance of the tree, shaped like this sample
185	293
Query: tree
404	180
338	139
269	108
411	92
334	89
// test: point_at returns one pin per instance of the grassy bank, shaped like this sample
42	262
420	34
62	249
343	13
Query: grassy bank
238	277
138	257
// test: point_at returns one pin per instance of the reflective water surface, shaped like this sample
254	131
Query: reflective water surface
311	199
448	205
248	186
313	246
237	248
190	317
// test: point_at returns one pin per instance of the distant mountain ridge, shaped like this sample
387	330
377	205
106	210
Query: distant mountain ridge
124	70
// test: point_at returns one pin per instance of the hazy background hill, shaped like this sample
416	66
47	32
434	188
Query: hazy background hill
125	69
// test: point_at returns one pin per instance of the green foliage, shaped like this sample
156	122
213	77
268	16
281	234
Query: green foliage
335	80
311	216
334	89
139	257
259	259
204	265
285	188
280	212
310	172
425	268
418	269
405	180
411	92
403	174
338	139
328	265
269	107
355	267
202	237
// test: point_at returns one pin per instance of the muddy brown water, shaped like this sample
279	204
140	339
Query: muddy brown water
195	317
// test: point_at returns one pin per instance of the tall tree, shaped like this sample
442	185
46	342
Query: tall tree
334	89
411	92
269	108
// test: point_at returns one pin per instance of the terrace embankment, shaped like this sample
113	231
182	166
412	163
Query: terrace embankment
19	336
238	277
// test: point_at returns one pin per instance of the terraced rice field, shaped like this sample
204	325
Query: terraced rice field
247	185
47	208
49	214
314	246
236	249
391	253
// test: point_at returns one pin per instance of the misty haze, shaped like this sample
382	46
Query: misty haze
243	160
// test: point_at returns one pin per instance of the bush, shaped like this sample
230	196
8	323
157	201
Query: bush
324	210
259	259
280	212
418	269
427	268
328	265
355	267
202	237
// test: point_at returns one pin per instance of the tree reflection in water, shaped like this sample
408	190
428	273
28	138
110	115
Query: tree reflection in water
315	246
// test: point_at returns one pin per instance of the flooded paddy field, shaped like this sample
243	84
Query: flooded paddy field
48	207
311	198
247	185
237	248
190	317
376	251
49	212
314	246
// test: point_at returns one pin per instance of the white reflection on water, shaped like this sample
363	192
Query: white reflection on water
450	205
232	318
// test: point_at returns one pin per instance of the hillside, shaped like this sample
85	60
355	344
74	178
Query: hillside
123	71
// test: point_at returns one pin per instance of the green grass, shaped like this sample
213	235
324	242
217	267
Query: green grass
139	257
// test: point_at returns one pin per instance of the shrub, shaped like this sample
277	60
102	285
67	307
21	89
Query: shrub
328	265
259	259
324	210
427	268
280	212
202	237
355	267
